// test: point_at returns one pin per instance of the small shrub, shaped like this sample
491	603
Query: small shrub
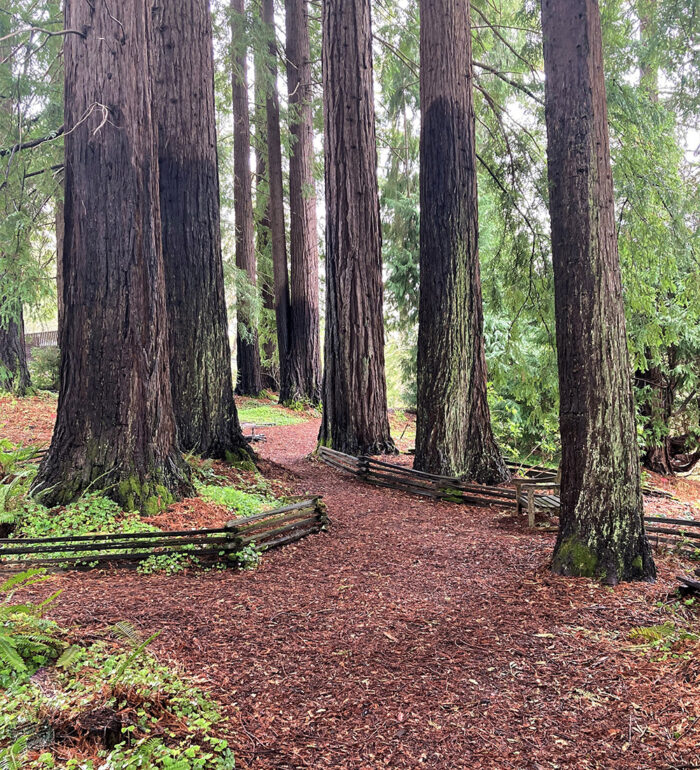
44	368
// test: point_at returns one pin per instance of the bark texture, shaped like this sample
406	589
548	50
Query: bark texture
247	350
269	361
200	355
601	531
354	391
115	428
60	230
454	435
278	236
14	373
305	344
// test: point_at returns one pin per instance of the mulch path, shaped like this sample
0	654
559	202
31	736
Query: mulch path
413	633
28	421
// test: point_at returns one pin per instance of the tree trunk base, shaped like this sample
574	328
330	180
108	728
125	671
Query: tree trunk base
578	555
63	480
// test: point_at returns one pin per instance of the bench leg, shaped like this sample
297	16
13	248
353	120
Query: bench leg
531	508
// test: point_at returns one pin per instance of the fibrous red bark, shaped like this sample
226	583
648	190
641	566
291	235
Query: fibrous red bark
354	391
115	427
601	530
454	435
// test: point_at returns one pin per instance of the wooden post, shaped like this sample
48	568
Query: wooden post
531	507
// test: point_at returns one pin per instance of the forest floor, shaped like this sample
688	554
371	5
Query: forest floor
412	634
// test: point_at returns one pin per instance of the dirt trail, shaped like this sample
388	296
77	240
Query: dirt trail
412	634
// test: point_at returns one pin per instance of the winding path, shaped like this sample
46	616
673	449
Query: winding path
412	634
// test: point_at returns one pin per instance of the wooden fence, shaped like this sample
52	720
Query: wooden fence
528	493
269	529
40	340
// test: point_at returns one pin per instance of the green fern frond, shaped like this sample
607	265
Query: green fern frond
68	656
124	630
651	634
9	654
26	578
11	758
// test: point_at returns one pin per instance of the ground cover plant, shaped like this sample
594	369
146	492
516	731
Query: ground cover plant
107	703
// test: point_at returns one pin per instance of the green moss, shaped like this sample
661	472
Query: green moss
637	563
241	461
452	495
149	498
575	558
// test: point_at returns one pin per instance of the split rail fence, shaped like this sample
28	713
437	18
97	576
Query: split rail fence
538	491
269	529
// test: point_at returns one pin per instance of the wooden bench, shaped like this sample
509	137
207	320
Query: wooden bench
542	494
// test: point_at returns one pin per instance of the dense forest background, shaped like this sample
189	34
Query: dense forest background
652	77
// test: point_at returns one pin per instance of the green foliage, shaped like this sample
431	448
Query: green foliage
243	503
44	368
27	640
91	514
267	415
248	557
147	696
13	458
668	638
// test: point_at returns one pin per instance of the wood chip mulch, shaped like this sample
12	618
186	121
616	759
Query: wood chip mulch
414	634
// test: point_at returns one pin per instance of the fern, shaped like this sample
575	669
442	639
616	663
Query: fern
22	579
9	655
653	634
25	637
12	757
68	656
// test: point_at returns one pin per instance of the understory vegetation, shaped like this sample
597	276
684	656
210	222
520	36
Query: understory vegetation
104	704
21	516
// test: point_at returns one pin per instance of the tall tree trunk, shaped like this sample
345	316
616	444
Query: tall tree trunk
305	341
270	370
14	373
247	351
354	390
275	186
200	355
454	436
657	409
60	233
115	428
601	529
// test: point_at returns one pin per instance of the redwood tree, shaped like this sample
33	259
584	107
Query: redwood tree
247	351
278	236
200	356
115	427
304	344
454	435
601	530
14	373
354	391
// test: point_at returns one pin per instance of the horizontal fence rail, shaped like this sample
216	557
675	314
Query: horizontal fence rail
269	529
530	493
41	339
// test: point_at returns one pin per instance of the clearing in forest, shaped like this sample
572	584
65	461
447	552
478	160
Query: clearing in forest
415	633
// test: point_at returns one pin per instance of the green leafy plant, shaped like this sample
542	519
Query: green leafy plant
27	640
13	457
44	368
248	557
243	503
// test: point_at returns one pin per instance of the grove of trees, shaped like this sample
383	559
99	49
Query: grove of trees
508	198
